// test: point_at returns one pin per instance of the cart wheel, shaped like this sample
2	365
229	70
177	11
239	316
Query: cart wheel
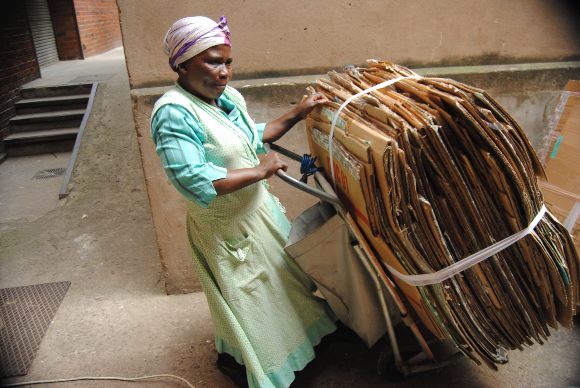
386	367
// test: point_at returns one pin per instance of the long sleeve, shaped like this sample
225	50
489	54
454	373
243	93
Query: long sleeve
260	129
179	140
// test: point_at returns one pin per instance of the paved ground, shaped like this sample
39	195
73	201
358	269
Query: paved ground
29	186
115	319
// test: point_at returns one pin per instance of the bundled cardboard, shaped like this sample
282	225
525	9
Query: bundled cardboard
433	170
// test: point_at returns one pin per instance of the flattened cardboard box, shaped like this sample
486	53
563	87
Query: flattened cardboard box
562	191
354	193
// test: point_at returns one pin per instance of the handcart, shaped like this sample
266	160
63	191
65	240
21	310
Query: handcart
353	280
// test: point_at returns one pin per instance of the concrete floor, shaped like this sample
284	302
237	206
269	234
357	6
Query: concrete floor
115	319
24	196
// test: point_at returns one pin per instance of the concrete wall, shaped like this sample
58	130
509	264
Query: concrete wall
274	38
527	92
294	39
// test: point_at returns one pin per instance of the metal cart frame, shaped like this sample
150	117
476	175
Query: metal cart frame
425	360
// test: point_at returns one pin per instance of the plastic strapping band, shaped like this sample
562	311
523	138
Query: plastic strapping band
348	101
574	213
559	190
570	221
470	261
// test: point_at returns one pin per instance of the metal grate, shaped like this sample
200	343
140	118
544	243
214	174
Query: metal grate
25	314
49	173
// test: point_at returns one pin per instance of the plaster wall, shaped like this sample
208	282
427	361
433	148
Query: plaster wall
302	39
273	38
528	93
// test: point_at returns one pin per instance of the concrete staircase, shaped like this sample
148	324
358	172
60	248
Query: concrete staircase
47	119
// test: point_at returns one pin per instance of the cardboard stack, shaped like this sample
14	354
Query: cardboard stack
433	171
562	160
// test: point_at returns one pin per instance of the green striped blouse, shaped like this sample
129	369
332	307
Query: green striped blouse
179	139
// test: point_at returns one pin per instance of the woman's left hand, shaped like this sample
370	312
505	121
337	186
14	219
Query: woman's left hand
275	129
308	104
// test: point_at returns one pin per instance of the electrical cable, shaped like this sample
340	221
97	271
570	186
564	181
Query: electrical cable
129	379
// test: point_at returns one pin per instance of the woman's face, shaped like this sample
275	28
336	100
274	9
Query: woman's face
207	74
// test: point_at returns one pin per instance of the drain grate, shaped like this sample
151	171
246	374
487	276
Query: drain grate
26	312
49	173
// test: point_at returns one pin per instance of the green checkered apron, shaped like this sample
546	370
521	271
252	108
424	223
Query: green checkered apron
262	306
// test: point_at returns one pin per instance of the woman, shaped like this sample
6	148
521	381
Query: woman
263	311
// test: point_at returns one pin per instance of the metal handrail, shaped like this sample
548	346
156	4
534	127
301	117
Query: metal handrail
63	193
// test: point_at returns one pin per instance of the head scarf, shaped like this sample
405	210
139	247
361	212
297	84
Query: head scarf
190	36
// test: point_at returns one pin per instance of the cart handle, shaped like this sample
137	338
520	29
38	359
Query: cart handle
327	194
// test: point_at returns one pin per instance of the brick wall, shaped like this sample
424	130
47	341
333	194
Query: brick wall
98	24
65	29
18	63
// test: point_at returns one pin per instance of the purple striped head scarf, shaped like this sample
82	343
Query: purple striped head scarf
190	36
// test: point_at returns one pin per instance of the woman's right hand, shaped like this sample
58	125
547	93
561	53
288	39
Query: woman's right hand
239	178
270	163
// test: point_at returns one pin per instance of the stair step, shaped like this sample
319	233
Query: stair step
49	147
54	100
63	90
47	104
47	120
41	142
43	135
47	116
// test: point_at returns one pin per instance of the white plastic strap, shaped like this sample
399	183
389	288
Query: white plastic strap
574	213
470	261
558	190
348	101
570	221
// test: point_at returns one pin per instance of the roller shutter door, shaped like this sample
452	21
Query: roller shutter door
42	31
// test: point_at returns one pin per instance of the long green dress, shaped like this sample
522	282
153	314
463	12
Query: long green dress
262	306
